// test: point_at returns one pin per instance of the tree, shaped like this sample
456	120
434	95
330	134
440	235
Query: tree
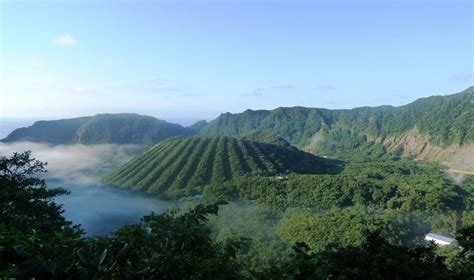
35	239
465	258
374	259
25	201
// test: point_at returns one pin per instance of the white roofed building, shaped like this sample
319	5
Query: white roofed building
440	240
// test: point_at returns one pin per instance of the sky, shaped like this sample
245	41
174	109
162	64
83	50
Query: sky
188	60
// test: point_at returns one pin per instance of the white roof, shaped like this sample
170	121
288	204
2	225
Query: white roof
439	237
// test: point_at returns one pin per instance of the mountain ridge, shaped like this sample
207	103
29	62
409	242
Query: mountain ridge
444	122
439	127
122	128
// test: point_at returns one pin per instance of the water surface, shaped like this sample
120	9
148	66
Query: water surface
103	209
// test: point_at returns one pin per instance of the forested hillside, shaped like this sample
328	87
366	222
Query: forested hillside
54	132
99	129
360	133
186	165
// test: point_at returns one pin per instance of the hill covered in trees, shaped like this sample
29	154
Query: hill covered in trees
365	132
186	165
99	129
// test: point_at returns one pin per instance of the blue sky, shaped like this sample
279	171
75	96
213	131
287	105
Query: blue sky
188	60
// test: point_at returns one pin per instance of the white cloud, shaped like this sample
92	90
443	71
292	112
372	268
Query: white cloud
65	40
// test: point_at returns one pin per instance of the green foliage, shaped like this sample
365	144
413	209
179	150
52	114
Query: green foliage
345	143
465	238
167	246
99	129
379	185
265	137
183	166
32	228
374	258
468	187
258	223
345	227
25	202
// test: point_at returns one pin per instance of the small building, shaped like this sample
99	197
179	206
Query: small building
282	177
440	240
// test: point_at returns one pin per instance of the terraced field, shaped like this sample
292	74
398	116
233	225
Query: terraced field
185	164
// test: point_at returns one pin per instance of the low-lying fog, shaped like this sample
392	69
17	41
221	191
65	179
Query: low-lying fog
78	168
81	164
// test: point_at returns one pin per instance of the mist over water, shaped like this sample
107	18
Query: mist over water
78	163
78	168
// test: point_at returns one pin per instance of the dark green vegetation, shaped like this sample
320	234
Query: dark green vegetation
36	241
402	198
99	129
358	133
389	184
186	165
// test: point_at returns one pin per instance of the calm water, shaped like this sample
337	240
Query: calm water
102	209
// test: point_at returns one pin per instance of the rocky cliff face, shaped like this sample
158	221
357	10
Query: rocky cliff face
414	144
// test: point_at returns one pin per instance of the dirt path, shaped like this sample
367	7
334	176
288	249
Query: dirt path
461	171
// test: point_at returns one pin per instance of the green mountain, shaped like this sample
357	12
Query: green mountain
185	165
99	129
428	125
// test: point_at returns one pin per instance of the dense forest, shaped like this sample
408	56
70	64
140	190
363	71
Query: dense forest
187	165
196	243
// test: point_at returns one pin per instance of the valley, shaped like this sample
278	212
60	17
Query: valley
281	177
